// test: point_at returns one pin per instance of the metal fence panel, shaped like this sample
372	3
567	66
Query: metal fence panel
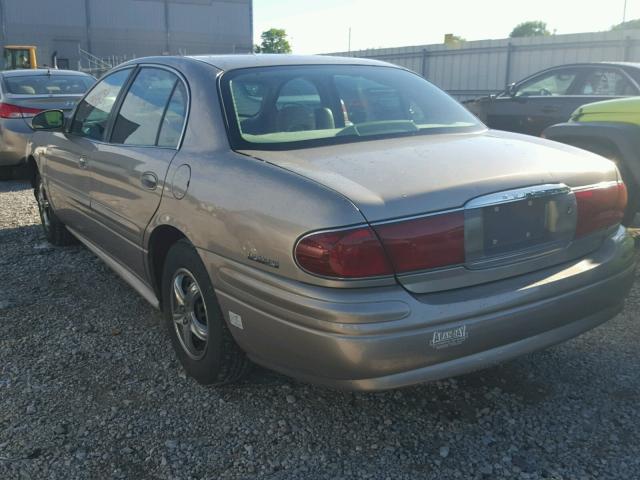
476	68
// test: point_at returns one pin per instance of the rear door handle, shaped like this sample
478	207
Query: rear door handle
149	180
82	162
549	109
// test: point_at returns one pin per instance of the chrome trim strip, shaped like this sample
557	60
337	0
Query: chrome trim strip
508	196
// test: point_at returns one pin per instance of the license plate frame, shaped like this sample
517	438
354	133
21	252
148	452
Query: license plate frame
514	225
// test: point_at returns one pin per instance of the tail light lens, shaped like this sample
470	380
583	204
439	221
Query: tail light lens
600	207
430	242
423	243
351	253
399	247
8	110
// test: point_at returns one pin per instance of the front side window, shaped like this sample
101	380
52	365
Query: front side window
48	84
555	83
92	114
140	116
298	106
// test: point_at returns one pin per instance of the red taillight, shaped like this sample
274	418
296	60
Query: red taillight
410	245
14	111
349	253
424	243
600	207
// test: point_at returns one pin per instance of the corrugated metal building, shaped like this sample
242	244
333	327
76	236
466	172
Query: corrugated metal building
114	30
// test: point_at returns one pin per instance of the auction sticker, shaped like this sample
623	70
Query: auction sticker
449	338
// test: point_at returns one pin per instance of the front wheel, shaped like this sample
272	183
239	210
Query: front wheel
195	323
54	230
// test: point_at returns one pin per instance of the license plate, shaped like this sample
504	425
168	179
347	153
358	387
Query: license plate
514	226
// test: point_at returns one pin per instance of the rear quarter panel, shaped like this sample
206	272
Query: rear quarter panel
237	206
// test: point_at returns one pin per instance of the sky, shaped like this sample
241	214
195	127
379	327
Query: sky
322	26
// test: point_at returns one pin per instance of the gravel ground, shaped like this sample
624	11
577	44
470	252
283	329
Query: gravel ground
89	388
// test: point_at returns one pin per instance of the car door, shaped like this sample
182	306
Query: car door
536	103
128	172
65	166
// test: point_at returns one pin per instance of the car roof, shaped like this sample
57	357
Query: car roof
233	62
40	71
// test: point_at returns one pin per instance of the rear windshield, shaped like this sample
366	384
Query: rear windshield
48	84
297	106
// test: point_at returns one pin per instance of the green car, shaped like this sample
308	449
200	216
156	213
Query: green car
611	129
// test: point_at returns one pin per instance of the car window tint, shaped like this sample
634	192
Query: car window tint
320	103
48	84
554	83
298	91
92	115
368	101
139	117
174	117
606	83
247	96
297	105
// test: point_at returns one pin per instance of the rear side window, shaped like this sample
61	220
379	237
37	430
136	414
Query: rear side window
48	84
92	115
606	83
174	118
143	109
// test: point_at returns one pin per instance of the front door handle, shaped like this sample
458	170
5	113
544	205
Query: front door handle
149	180
549	109
82	162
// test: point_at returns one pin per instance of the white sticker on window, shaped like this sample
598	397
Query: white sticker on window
235	320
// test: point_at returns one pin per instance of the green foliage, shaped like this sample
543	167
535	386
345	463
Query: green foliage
627	25
534	28
274	40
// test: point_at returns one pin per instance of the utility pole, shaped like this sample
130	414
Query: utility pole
350	38
624	12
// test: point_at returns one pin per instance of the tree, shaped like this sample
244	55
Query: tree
274	40
627	25
534	28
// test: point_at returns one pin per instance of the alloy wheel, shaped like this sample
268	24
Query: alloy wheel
189	314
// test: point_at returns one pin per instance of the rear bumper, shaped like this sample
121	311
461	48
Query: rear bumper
381	338
14	138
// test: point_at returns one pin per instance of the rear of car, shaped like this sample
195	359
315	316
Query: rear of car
23	94
473	246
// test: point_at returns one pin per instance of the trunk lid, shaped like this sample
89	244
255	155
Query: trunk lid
408	176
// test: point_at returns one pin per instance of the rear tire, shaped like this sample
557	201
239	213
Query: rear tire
54	230
195	323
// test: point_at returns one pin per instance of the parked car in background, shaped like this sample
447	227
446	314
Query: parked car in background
611	129
339	220
550	96
23	93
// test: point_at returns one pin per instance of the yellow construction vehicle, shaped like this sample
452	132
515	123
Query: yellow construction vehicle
19	56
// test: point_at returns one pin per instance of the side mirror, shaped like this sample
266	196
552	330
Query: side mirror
48	120
512	90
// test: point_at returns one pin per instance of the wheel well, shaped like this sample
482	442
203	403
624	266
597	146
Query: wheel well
162	239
